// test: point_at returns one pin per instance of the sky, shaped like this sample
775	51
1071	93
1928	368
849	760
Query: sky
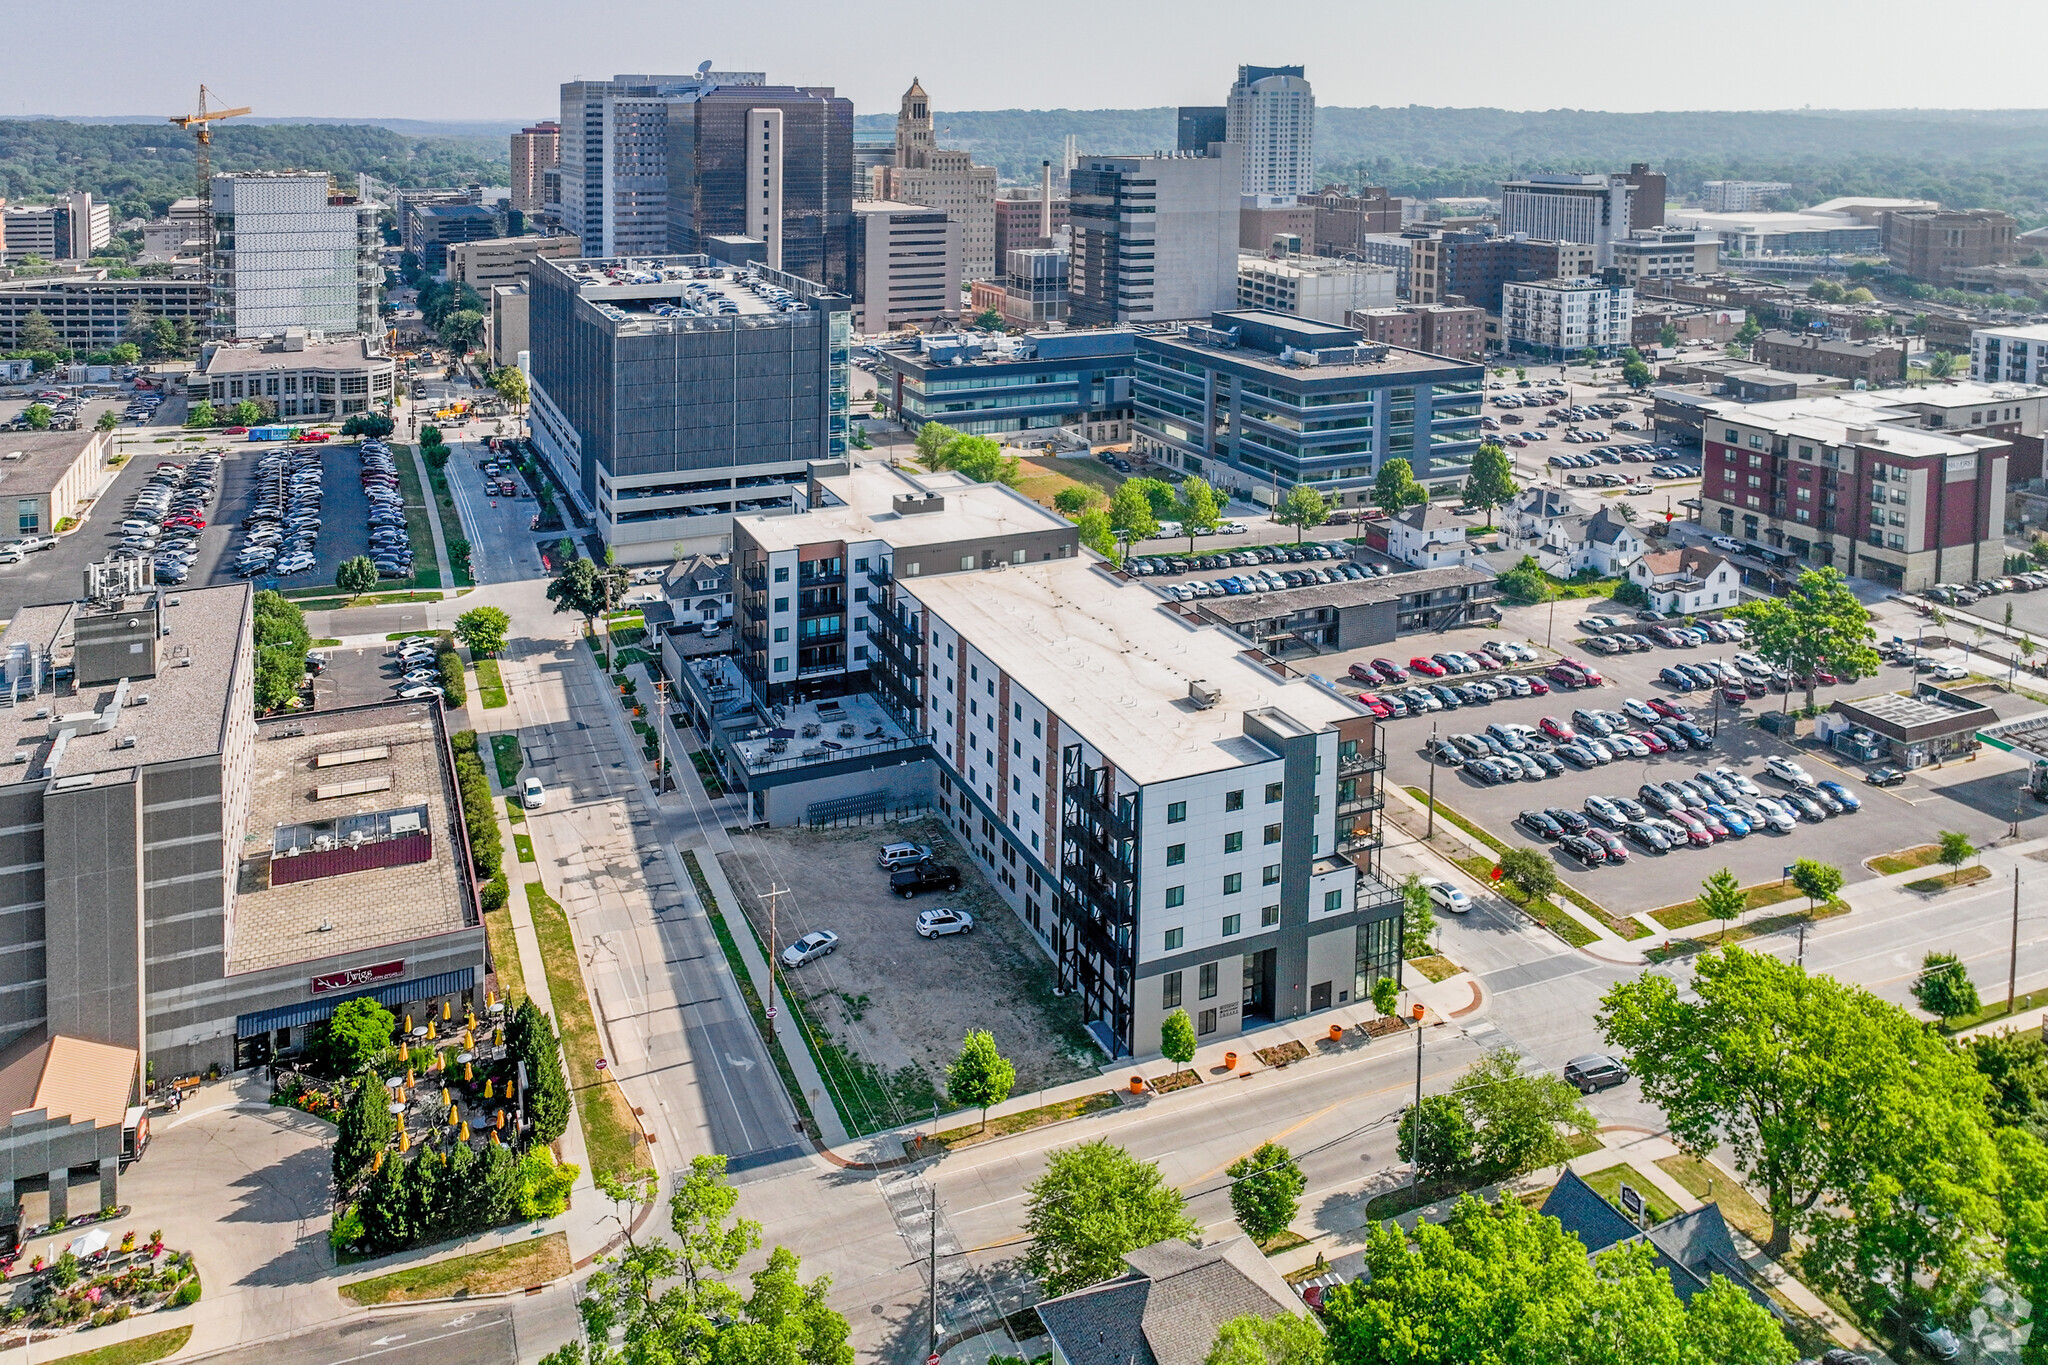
446	61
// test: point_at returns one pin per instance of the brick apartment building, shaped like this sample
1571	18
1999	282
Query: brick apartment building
1931	245
1449	329
1873	362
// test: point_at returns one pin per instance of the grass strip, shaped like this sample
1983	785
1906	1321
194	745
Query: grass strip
1968	876
1705	1181
1623	928
419	526
611	1134
1756	928
1607	1182
134	1351
490	684
505	952
521	1265
1755	898
771	1040
523	845
1904	860
505	753
1023	1121
1436	967
2020	1004
326	644
1540	910
1394	1203
513	811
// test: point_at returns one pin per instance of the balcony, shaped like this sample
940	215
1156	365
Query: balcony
1363	761
821	602
754	578
1365	801
879	575
754	609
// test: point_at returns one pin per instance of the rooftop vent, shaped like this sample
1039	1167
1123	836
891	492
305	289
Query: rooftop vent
125	742
913	504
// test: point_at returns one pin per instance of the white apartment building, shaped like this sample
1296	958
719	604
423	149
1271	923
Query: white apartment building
504	260
926	173
70	229
1665	254
1740	196
1316	287
1271	115
2012	355
1558	319
904	266
1594	209
288	252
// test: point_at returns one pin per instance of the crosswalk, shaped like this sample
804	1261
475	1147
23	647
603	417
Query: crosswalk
963	1297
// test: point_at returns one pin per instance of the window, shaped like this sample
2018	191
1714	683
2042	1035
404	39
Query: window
781	635
1207	1022
1271	876
1169	991
1206	981
1332	901
1233	800
1233	883
1176	854
1176	812
1231	924
1173	937
1272	792
1233	842
1269	916
781	576
1176	896
782	604
782	665
28	515
1272	834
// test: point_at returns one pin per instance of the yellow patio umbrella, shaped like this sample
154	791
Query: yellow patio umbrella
404	1142
430	1028
467	1075
465	1130
494	1137
488	1083
409	1081
453	1117
446	1009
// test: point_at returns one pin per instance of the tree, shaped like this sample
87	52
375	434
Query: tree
2014	1065
1526	581
385	1209
1817	881
981	458
1529	871
245	414
1075	499
1386	996
2023	1200
1282	1339
365	1129
1943	364
124	353
1418	917
373	425
1746	335
1445	1147
1517	1118
988	320
461	329
1590	358
1302	507
484	630
980	1075
1394	487
1130	513
1944	988
1265	1191
1095	1204
510	383
530	1037
1635	372
1721	897
356	1035
107	421
1818	625
1668	337
1177	1039
38	416
1956	849
37	334
355	575
932	439
1096	532
281	640
201	414
583	587
1197	509
1492	481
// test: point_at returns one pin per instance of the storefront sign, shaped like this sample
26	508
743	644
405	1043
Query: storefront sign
358	977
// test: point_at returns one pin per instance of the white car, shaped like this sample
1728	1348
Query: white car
1742	784
420	675
1515	686
1728	543
932	923
532	794
1788	772
810	948
420	692
1444	896
1948	673
1641	711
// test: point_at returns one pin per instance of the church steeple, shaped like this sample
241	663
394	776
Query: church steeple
914	128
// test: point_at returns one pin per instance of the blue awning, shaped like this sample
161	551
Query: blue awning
313	1011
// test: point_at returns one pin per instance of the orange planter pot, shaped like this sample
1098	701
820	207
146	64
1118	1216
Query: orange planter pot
1137	1085
1336	1033
1230	1061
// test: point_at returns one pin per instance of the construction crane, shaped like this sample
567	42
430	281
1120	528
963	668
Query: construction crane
202	136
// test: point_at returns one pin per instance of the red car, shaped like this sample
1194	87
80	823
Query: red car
235	431
1695	833
1537	687
1665	709
1428	668
1557	729
195	523
1651	741
1593	678
1375	705
1389	671
1568	676
1617	851
1360	673
1735	694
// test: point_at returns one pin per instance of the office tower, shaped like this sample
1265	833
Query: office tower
1272	116
70	229
1646	206
1153	237
925	173
905	265
288	252
535	151
1199	125
1595	209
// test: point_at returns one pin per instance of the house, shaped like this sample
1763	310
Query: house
1427	536
699	589
1569	536
1691	1248
1167	1308
1684	582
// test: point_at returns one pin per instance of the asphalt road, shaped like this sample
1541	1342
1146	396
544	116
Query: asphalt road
446	1334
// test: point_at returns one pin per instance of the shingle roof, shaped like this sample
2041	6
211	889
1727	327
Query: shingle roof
1168	1308
1691	1248
1427	516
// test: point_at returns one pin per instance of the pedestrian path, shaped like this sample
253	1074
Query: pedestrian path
434	523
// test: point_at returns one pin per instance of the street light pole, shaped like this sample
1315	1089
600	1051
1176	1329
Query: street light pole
2012	966
1430	832
1415	1143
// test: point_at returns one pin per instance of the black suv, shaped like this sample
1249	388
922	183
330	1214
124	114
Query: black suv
927	877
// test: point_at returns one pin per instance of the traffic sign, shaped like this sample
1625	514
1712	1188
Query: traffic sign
1497	873
601	1064
771	1011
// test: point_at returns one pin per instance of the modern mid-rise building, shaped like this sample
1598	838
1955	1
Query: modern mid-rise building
290	252
1271	115
1154	237
299	377
504	260
2016	355
1198	125
1178	820
1931	245
1741	196
1032	291
1594	209
1078	383
1646	204
1257	402
430	229
91	312
1263	219
1559	319
1473	266
671	392
1022	220
1665	254
70	228
1454	330
949	181
1316	287
535	151
904	266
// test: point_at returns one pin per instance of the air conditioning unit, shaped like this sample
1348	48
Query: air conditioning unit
1204	695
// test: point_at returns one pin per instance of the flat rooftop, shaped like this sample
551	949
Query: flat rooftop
1108	657
1388	360
681	291
1830	417
396	750
868	493
314	355
1933	711
34	461
1264	606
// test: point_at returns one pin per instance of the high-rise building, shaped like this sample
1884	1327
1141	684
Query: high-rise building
1272	116
289	252
904	265
535	151
1154	237
614	158
1559	319
1646	205
70	229
1199	125
665	402
1595	209
925	173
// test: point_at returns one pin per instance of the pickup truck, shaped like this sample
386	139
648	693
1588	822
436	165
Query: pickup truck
30	544
924	877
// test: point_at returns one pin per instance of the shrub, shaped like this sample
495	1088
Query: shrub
453	681
187	1295
496	891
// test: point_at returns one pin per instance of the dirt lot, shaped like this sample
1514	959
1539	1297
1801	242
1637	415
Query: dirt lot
896	1003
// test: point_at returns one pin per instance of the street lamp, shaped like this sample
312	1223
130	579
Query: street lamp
1430	832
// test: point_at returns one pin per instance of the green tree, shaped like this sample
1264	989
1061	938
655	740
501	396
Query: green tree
1177	1039
2014	1064
980	1075
1492	481
1944	988
530	1038
107	421
356	1035
1075	499
2023	1199
461	329
245	414
509	381
355	575
1265	1191
484	630
1635	371
586	589
988	320
1418	917
281	640
1746	335
1095	1204
1817	881
167	338
38	416
1721	897
1394	487
37	334
1446	1146
1302	507
364	1129
1943	364
1386	996
374	425
1096	532
932	440
1518	1119
1526	581
1818	625
1197	509
981	458
385	1208
1282	1339
1130	513
1668	337
1956	849
1529	871
200	415
124	353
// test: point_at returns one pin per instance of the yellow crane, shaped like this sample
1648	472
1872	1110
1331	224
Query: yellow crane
202	136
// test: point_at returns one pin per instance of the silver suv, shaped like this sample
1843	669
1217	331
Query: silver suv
896	856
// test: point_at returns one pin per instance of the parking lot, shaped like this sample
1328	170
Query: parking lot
359	676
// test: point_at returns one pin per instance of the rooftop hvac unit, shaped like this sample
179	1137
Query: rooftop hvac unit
1203	695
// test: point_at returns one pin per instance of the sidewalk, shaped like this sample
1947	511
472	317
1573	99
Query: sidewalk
434	523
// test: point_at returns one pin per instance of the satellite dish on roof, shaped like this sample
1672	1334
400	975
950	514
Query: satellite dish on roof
704	68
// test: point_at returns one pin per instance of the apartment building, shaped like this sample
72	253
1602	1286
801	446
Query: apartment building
1474	266
536	150
1153	237
483	265
91	312
1665	254
1077	383
299	377
949	181
70	228
430	229
670	393
1741	196
1022	220
1315	287
1873	362
1858	485
1438	328
1256	402
1594	209
1344	222
1271	115
289	252
1179	821
1559	319
2012	354
905	266
1932	244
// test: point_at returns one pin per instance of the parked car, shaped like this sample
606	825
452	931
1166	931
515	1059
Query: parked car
532	795
812	946
924	877
932	923
892	857
1885	777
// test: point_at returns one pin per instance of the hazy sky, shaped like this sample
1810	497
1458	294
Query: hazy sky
432	59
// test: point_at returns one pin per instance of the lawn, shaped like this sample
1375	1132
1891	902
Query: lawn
1623	927
1608	1183
1905	860
522	1265
1996	1010
505	752
504	952
1044	478
1436	967
419	528
135	1351
1705	1181
1967	876
1755	898
490	684
1025	1120
1756	928
523	845
611	1134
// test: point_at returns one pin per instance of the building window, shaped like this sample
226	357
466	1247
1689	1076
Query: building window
1272	792
1176	812
1207	1022
1233	883
1176	854
782	635
28	514
1173	937
1176	896
1332	901
1206	981
1233	842
1233	800
1272	834
1269	916
781	576
782	604
1169	991
1271	876
782	665
1231	925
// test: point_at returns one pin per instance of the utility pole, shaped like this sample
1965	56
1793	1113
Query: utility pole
773	895
1430	832
935	1271
1415	1143
660	745
2012	966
